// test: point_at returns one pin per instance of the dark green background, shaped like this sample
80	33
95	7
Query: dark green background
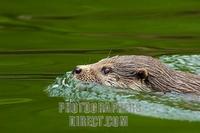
41	39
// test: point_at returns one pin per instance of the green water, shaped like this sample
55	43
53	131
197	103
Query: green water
40	40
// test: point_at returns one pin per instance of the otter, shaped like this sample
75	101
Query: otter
142	73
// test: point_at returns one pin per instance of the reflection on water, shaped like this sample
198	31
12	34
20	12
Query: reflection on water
168	106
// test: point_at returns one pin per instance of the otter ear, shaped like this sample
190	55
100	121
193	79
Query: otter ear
142	74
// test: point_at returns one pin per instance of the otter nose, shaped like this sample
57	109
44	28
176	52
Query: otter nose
77	70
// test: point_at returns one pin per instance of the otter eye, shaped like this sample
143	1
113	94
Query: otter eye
106	70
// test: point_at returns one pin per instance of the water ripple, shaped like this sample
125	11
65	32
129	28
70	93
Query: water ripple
14	100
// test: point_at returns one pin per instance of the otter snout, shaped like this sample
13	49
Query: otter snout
85	73
80	69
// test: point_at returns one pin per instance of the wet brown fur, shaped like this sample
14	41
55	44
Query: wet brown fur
142	73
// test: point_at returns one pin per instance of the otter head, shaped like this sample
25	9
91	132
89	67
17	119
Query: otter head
138	73
117	71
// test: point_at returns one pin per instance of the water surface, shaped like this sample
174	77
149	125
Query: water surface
41	40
